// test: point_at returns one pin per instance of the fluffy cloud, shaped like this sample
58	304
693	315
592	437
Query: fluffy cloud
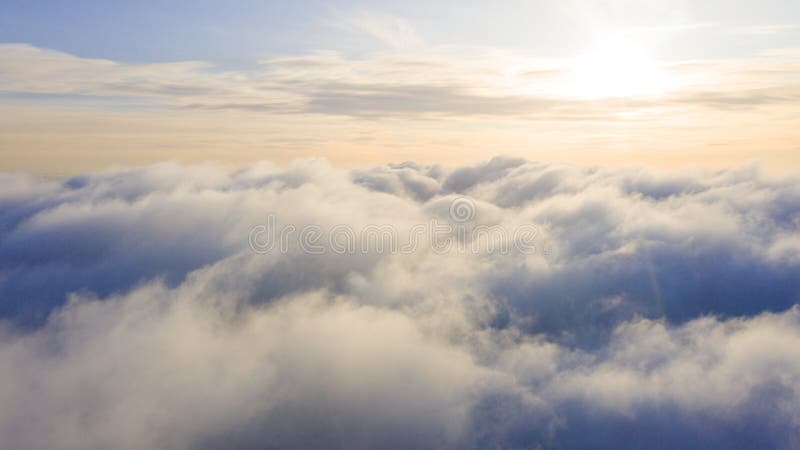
657	310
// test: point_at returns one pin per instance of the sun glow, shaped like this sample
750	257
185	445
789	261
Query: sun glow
615	68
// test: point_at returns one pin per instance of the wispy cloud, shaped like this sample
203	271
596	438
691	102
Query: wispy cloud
768	29
445	81
390	30
677	28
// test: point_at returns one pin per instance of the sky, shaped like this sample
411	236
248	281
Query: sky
88	85
400	225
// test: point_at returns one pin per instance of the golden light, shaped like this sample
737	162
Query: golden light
615	68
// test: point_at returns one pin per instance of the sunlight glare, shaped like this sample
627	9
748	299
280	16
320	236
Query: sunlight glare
615	68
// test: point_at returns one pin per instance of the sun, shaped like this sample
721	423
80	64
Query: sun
615	67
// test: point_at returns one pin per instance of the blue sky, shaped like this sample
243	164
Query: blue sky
244	30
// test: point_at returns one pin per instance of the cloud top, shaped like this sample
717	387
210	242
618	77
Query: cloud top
659	310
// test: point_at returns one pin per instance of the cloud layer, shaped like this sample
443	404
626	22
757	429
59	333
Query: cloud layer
658	311
417	83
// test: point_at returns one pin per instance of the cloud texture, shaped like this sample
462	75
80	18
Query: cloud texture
659	310
408	83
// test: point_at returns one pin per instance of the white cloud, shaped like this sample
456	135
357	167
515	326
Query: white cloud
667	305
393	31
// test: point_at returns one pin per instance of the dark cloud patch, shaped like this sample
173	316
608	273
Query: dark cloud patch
739	100
392	100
